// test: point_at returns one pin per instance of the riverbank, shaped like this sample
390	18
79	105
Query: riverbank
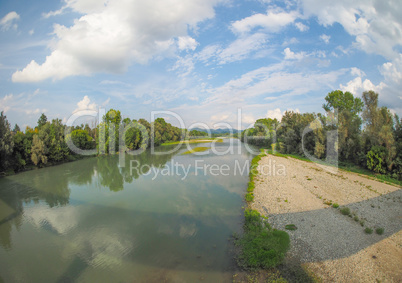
347	227
71	158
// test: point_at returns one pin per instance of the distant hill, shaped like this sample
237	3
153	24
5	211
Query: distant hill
218	131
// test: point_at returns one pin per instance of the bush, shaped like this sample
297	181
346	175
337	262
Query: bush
379	231
345	210
376	159
368	231
291	227
261	246
249	197
335	205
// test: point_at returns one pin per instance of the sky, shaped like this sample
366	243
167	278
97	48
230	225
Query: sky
208	61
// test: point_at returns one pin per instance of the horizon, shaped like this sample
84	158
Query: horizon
203	61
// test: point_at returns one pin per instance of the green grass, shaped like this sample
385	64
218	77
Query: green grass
368	231
335	205
204	140
261	246
345	210
379	231
253	173
196	149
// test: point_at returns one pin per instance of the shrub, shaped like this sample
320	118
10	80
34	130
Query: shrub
368	231
335	205
291	227
376	159
345	210
379	231
250	187
249	197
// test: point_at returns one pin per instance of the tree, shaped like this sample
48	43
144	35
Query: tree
348	125
6	143
82	139
379	130
19	155
343	101
16	129
42	120
38	151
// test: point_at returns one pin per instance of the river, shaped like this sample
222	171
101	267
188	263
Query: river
168	217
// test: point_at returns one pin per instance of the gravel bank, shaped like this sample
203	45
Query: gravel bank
334	246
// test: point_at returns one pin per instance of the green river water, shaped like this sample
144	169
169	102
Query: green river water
93	221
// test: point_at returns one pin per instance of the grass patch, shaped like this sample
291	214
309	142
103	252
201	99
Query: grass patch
379	231
368	230
345	210
261	246
291	227
196	149
335	205
252	175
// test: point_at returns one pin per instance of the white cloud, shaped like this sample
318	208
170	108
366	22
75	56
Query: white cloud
275	114
278	114
293	40
375	24
85	104
357	72
31	32
8	21
325	38
187	43
184	66
273	80
242	47
392	71
301	27
273	21
245	46
290	55
357	86
112	35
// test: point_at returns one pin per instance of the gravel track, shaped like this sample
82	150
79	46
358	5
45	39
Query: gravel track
334	246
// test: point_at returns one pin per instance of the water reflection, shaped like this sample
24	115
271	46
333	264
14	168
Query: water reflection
96	221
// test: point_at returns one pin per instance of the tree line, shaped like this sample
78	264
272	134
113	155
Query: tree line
367	135
46	143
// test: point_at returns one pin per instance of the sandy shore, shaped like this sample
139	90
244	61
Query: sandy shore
333	246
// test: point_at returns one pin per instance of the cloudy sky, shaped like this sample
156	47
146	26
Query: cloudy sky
202	59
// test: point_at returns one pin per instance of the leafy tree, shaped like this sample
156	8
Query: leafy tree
82	139
6	143
379	131
42	120
343	102
19	153
16	129
39	151
348	125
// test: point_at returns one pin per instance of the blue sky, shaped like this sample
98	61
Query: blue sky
202	59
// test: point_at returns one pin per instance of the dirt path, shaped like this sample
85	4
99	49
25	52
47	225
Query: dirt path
334	246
